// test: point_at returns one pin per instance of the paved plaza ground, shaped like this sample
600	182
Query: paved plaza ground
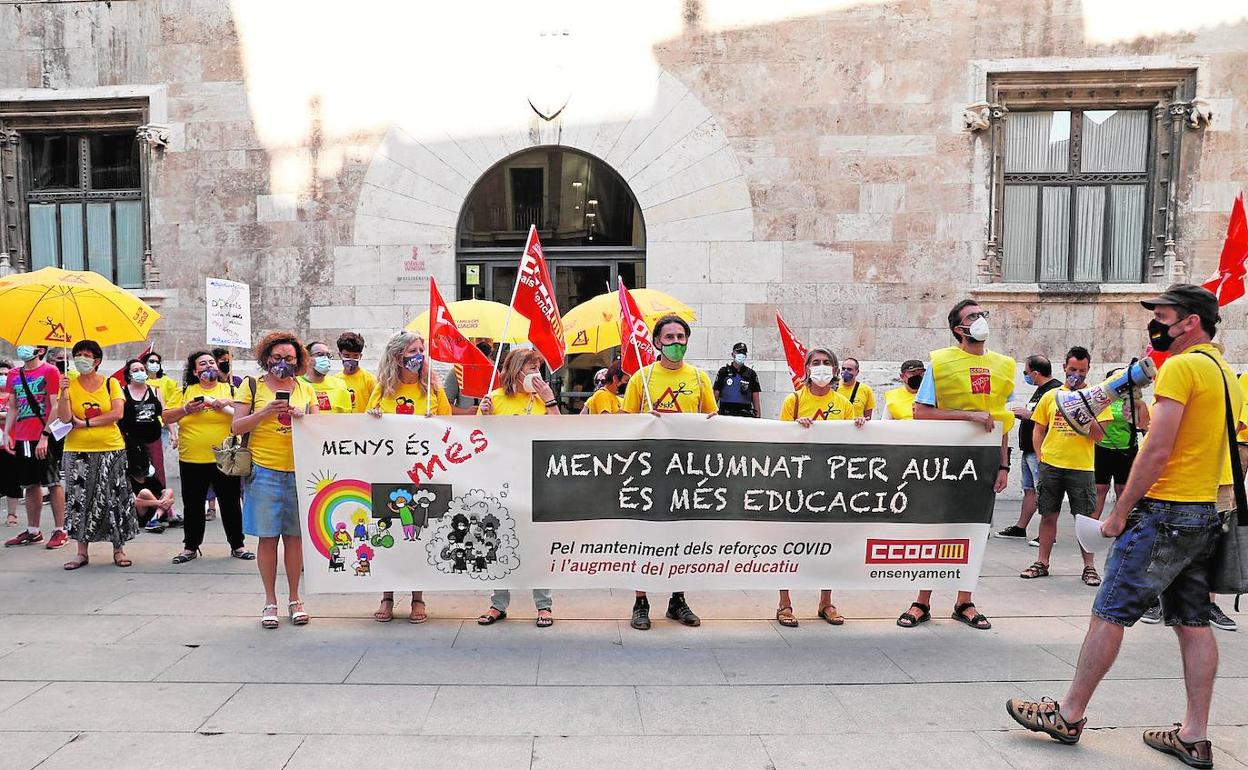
163	666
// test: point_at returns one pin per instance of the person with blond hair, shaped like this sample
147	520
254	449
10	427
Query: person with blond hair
405	386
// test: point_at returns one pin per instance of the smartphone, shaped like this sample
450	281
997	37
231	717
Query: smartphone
282	395
198	399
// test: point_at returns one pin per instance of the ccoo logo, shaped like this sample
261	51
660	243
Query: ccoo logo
918	551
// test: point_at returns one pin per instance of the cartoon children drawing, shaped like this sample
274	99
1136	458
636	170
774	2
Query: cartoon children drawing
363	563
361	526
401	505
383	538
459	528
336	564
341	536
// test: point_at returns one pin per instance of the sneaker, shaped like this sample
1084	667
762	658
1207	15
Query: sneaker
24	538
1152	615
1013	531
1219	619
1034	542
678	609
175	520
641	615
154	525
58	539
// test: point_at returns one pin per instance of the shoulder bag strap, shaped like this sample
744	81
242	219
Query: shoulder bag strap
30	397
1237	473
1135	440
255	385
853	394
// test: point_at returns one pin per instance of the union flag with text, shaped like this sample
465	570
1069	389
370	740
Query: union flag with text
634	336
448	345
794	353
535	300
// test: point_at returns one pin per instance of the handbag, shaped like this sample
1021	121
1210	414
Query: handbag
1228	570
233	457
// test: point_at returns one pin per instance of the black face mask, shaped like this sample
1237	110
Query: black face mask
914	381
60	365
1159	335
224	367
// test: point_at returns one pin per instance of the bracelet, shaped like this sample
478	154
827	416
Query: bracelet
1003	467
551	403
87	421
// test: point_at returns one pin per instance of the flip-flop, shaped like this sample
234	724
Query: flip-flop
416	619
78	563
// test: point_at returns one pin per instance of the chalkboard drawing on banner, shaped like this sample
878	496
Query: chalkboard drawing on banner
412	506
476	537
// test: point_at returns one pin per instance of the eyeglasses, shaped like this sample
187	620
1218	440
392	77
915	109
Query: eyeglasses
288	359
976	316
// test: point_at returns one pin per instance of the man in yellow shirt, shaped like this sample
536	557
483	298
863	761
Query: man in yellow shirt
331	394
858	393
669	386
358	381
1167	526
1067	465
899	402
967	382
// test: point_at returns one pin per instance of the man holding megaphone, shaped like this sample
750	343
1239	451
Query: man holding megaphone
1066	451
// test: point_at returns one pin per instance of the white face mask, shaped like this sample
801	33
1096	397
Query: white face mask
530	381
979	330
822	374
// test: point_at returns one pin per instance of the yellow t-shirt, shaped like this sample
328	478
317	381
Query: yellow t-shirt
604	402
974	383
1063	447
687	390
522	403
1242	437
360	385
167	386
84	403
900	403
198	433
830	406
331	394
410	399
270	441
864	399
1191	474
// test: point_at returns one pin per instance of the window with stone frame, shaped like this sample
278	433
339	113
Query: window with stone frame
74	187
1085	169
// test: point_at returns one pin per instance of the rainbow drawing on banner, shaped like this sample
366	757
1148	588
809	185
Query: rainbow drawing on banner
336	500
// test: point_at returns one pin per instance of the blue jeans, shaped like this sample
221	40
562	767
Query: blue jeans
1164	551
1031	471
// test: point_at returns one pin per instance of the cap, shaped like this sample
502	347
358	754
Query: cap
1190	297
912	364
740	348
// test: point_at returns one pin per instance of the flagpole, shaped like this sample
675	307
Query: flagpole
428	385
645	378
511	308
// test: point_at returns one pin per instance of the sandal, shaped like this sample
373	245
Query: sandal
831	616
908	620
975	621
11	521
186	556
1045	716
79	562
297	616
268	616
1037	570
121	561
785	617
544	621
491	617
243	553
384	613
1195	754
1091	577
418	617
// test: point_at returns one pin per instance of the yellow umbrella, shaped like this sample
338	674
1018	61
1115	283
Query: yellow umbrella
478	318
60	307
594	325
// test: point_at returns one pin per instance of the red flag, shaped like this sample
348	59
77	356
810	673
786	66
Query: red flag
1228	284
448	345
1158	356
535	300
794	353
634	336
120	374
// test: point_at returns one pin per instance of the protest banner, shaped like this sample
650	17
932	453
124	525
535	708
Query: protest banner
228	304
677	502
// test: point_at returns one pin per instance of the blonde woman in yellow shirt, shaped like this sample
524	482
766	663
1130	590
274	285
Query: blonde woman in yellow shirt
99	502
402	376
524	392
266	408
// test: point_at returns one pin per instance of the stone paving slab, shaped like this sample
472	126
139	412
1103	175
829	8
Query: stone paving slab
117	706
189	751
22	751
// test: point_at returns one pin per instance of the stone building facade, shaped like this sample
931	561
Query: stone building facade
849	167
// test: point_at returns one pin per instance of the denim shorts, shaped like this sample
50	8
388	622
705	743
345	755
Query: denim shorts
270	504
1031	471
1164	551
1078	487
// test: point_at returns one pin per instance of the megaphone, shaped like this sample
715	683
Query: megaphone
1080	407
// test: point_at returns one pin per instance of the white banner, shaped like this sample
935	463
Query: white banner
677	502
229	313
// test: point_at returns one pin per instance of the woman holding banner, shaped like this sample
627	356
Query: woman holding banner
99	504
607	399
405	385
524	392
266	408
816	401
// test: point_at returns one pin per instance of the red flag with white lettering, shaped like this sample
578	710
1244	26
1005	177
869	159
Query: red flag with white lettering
120	374
448	345
535	300
634	336
1228	283
794	353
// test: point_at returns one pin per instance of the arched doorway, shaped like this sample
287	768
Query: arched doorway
589	222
